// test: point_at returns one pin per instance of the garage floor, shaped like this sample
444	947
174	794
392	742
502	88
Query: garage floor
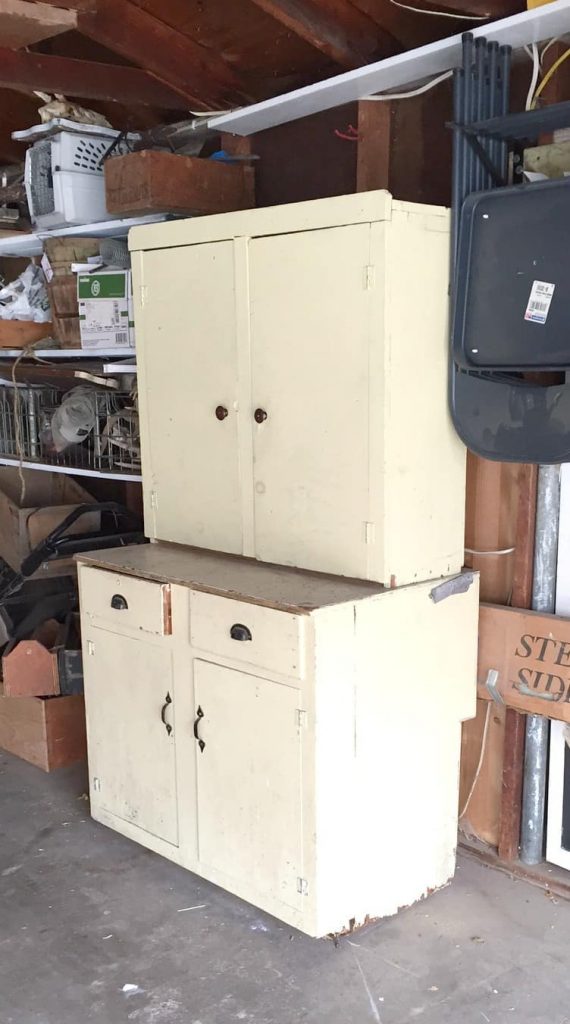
95	929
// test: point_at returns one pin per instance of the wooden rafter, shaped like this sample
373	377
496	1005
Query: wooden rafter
335	27
90	80
23	23
198	74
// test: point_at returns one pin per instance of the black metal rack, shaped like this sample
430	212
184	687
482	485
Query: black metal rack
499	415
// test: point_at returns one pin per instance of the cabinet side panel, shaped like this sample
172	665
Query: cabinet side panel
337	838
185	312
424	458
416	674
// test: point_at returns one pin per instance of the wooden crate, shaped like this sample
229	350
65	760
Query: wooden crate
46	731
151	182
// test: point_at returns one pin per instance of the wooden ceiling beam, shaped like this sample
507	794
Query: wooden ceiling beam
197	73
335	27
23	23
73	5
88	80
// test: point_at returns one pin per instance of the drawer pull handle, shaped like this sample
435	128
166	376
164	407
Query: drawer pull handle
260	415
240	632
221	412
167	726
119	603
199	715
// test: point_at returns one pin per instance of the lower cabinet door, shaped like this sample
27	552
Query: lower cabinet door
248	752
131	730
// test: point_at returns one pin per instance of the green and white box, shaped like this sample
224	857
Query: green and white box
105	309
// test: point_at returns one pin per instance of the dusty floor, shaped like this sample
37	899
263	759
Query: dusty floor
95	929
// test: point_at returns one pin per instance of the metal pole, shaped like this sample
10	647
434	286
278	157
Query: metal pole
543	600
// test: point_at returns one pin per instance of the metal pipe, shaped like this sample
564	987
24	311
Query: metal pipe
543	600
467	40
494	148
505	97
480	53
458	184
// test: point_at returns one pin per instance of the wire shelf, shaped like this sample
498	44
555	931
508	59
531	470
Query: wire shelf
112	444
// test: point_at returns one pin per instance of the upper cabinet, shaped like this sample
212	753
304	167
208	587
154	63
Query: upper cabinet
292	387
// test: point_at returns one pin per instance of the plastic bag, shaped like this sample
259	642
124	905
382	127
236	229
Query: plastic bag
26	298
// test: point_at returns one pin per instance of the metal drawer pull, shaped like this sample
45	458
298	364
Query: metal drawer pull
119	603
240	632
199	715
260	415
221	412
167	701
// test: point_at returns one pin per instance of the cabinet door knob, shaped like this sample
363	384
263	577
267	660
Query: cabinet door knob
240	632
119	603
221	412
260	415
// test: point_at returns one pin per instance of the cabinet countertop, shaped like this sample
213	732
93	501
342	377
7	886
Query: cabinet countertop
232	576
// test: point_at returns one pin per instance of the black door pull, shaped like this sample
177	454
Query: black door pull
119	603
167	701
199	715
240	632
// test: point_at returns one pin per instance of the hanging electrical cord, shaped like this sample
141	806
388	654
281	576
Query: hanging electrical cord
480	764
387	96
442	14
549	74
534	77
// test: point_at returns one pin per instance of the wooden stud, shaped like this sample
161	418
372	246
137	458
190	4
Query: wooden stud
20	69
334	27
197	73
23	23
513	756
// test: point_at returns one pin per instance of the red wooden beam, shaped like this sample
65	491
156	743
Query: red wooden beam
25	71
334	27
197	73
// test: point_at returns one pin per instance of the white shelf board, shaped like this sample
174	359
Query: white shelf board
70	470
31	244
70	353
403	71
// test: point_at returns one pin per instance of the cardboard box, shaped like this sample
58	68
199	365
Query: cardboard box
105	309
48	499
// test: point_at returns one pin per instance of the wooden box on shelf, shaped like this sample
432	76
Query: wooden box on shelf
151	181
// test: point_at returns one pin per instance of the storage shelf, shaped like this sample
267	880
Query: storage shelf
31	243
70	470
70	353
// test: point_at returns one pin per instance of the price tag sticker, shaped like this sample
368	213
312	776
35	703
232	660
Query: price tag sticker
538	304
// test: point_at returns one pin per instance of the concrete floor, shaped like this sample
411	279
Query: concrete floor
95	929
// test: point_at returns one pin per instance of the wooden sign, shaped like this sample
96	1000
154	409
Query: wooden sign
524	660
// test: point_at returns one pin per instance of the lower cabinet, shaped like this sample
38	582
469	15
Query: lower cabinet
287	753
249	770
131	731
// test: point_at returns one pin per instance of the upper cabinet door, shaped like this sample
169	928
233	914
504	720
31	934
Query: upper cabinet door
188	388
310	302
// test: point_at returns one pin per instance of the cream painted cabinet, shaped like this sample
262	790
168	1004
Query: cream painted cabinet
292	387
314	727
132	731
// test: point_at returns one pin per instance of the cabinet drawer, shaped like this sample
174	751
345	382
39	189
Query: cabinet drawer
248	633
125	602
